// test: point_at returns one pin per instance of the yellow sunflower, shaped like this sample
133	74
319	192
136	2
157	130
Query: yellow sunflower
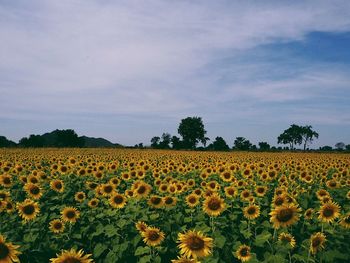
213	205
117	201
79	197
243	253
328	212
317	241
70	214
286	238
28	209
285	215
155	201
72	256
56	226
93	202
141	226
194	244
169	201
8	251
57	185
152	236
345	221
251	212
192	200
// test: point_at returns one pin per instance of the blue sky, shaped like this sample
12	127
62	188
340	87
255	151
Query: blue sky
130	70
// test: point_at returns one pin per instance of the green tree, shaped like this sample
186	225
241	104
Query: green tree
192	131
307	135
176	142
264	146
155	142
242	144
166	139
291	136
218	145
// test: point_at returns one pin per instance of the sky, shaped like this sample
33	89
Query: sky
130	70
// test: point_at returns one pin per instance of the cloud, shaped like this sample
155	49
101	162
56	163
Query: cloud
160	58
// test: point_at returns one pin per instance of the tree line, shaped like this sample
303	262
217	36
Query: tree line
192	132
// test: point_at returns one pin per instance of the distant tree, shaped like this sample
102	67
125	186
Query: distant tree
326	148
165	143
68	138
291	136
340	146
347	147
155	142
307	135
192	131
4	142
32	141
242	144
218	145
176	143
264	146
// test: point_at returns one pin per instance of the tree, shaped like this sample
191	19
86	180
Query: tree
291	136
347	147
192	131
242	144
155	142
219	145
176	143
68	138
166	139
264	146
4	142
340	146
326	148
32	141
307	134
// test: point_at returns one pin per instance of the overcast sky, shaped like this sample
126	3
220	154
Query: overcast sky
130	70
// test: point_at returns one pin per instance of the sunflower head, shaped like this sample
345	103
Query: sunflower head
317	242
345	221
251	212
141	226
57	185
28	209
213	205
152	236
70	214
56	226
194	244
328	212
117	201
243	253
79	197
286	238
285	215
8	251
72	256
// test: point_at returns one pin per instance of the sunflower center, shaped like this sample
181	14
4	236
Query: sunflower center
214	204
70	214
192	200
196	243
6	180
279	201
244	252
58	225
260	190
2	195
141	189
285	215
35	190
58	185
108	189
328	212
316	242
71	260
4	251
251	210
153	235
28	209
118	199
169	201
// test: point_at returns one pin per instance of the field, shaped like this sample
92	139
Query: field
93	205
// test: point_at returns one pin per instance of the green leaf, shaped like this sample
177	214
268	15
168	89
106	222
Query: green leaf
261	239
145	259
154	216
219	239
142	250
99	249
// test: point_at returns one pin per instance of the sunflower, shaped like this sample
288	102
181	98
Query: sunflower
285	215
286	238
278	200
260	190
142	190
194	244
117	200
169	201
345	222
107	189
328	212
184	260
155	201
33	190
6	180
57	185
309	214
4	195
213	205
93	202
72	256
251	212
230	191
317	241
28	209
152	236
79	197
70	214
245	194
8	251
141	226
243	253
56	226
192	200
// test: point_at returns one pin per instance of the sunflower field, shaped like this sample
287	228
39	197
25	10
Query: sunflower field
120	205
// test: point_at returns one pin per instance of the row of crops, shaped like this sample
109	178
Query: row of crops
93	205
